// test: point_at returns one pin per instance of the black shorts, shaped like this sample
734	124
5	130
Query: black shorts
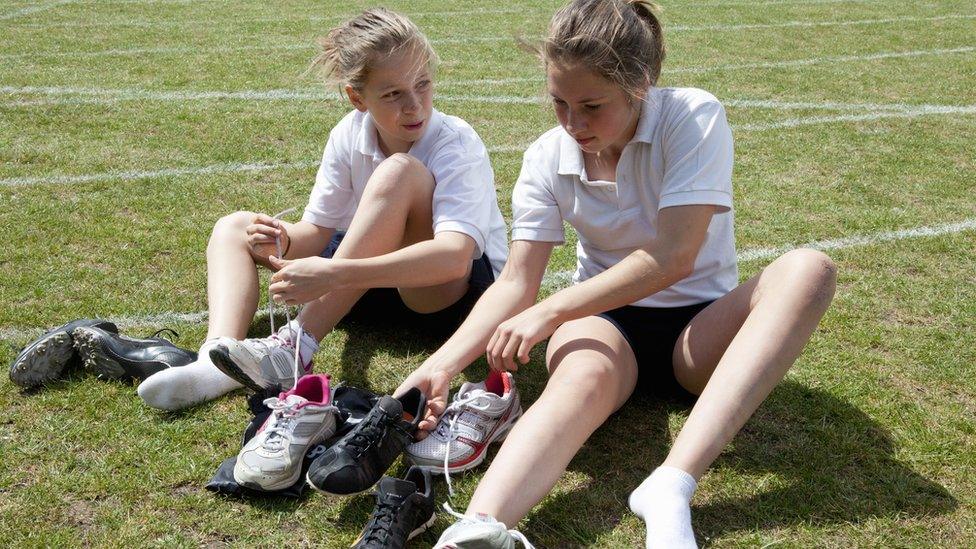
652	333
384	305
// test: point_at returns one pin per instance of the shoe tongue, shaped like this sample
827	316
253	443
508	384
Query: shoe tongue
391	406
396	487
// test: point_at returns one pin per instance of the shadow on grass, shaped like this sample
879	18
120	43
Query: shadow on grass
832	464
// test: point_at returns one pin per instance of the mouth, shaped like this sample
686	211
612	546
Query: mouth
415	126
584	141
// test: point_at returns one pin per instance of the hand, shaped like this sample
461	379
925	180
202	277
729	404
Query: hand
299	281
261	234
435	384
516	336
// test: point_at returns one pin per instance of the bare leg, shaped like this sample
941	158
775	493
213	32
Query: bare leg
737	349
593	374
741	346
395	211
232	278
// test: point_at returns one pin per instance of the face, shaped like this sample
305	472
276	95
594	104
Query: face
398	94
599	114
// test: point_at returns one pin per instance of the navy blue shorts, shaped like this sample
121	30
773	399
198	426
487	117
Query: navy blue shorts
384	306
652	333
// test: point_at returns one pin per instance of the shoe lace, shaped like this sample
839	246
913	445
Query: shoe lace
447	427
274	333
365	434
384	515
282	421
512	532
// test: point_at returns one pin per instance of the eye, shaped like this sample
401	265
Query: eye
558	101
592	107
423	84
391	95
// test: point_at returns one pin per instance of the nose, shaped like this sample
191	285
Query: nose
575	121
411	102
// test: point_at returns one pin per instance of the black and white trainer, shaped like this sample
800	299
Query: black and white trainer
114	356
50	356
354	463
404	509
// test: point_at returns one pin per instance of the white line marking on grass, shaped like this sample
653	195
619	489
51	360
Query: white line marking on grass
559	279
822	60
796	122
32	10
862	240
231	167
841	23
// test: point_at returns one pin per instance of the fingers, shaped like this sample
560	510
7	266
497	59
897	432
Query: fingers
501	349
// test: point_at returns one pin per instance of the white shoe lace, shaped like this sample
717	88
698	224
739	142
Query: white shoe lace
476	399
301	330
283	414
512	532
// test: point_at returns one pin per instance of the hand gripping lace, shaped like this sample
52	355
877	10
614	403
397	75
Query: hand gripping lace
475	399
301	329
512	532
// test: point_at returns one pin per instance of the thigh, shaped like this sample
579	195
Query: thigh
592	352
706	338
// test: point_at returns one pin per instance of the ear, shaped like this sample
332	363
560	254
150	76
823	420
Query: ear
355	98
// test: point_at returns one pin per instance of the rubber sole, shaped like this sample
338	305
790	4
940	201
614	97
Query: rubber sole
423	527
220	356
45	361
96	355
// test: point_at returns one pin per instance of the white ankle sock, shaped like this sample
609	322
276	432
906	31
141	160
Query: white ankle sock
663	500
309	345
177	388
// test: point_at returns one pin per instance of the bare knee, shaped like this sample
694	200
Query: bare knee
400	174
595	381
812	273
231	227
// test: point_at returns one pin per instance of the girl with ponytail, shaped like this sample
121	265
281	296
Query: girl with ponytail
644	176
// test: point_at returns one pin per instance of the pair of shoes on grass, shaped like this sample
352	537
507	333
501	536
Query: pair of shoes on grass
98	345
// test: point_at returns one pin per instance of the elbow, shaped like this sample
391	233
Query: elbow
682	265
460	266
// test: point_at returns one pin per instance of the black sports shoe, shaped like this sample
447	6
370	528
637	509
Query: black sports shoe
51	355
361	457
404	509
114	356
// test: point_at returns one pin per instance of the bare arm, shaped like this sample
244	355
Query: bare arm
514	291
665	261
442	259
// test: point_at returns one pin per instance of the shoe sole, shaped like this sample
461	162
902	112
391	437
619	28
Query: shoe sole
95	354
46	361
423	527
439	469
220	356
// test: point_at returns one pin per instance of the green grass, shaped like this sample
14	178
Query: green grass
869	442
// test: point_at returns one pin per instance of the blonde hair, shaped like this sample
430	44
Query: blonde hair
621	40
349	49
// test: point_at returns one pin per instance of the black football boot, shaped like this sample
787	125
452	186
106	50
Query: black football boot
114	356
51	355
359	459
404	509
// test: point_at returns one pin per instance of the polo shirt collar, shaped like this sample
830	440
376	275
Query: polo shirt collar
649	115
368	144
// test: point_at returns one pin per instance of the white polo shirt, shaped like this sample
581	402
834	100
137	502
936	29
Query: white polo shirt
464	192
681	154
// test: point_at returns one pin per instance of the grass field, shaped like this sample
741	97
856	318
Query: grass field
128	127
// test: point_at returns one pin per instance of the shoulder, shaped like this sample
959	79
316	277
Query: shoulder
677	104
456	137
347	130
546	148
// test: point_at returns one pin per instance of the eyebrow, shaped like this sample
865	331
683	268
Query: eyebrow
589	100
